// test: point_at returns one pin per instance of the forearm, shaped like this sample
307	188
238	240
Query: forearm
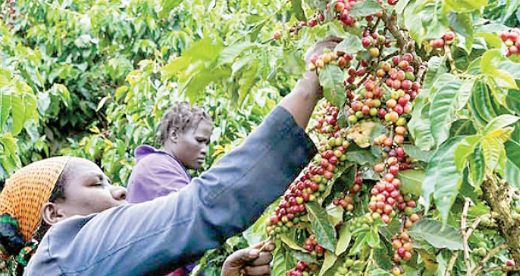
302	99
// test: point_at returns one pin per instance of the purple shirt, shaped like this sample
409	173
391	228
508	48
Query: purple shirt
156	173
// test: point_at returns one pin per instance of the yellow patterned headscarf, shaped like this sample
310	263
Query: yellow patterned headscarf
27	190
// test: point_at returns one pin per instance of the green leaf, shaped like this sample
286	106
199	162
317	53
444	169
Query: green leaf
477	167
325	233
442	110
18	112
167	6
373	239
499	123
5	109
492	151
401	5
351	44
298	11
301	256
379	272
9	143
417	153
464	93
330	259
442	178
480	101
436	68
462	24
291	243
365	8
488	65
361	157
464	149
344	239
335	214
433	232
279	267
175	66
465	5
331	79
361	241
411	181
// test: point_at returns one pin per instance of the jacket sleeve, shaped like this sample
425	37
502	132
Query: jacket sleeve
153	237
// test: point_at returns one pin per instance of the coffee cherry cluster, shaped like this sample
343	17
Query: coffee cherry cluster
303	269
512	41
481	249
345	201
327	119
311	245
350	267
312	182
447	38
403	245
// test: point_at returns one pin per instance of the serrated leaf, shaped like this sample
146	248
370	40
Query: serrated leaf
331	79
344	239
433	232
464	149
411	181
442	178
365	8
298	11
325	233
442	110
330	259
417	153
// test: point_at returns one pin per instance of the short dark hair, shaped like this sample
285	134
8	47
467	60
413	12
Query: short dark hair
180	117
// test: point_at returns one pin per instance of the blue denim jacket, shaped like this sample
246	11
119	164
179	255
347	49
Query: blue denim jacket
152	238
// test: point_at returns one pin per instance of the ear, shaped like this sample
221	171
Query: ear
173	135
52	213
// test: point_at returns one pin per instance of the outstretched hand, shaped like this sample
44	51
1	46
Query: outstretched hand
253	260
329	42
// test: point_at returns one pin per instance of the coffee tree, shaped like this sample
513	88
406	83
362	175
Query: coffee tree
418	167
417	172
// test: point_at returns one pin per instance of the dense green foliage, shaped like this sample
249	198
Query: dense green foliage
92	78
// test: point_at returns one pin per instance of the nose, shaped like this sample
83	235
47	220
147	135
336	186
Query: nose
118	192
204	150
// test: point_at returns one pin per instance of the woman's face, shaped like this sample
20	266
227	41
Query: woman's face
191	146
88	190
